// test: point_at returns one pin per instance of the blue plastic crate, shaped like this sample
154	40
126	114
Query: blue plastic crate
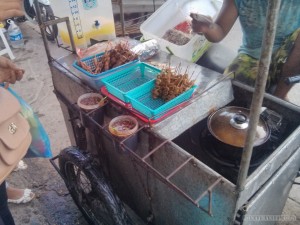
141	100
94	80
125	80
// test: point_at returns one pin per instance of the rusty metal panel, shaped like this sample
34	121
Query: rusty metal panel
193	179
155	200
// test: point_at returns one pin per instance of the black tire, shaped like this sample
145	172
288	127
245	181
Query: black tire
30	11
51	31
90	189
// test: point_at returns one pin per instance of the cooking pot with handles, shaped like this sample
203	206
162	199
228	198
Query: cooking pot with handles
229	126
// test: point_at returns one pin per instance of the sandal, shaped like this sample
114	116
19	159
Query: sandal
21	166
28	195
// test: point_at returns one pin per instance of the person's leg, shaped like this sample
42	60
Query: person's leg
5	213
244	68
285	63
1	221
18	195
288	61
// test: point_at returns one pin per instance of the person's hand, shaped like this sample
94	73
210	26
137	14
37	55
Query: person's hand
9	72
200	23
10	8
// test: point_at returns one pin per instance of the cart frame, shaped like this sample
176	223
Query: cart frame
248	197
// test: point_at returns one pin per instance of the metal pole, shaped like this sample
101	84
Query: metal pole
42	28
122	17
71	35
257	98
154	6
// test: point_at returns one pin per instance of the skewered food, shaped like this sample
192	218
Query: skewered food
117	56
169	84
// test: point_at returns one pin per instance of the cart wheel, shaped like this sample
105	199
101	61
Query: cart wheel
90	189
51	31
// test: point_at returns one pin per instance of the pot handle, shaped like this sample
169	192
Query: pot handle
239	121
202	89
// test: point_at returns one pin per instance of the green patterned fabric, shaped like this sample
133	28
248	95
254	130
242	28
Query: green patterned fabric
245	67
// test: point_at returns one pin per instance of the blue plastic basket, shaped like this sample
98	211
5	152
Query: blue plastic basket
125	80
141	100
95	79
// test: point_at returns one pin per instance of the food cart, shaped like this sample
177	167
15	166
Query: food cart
168	171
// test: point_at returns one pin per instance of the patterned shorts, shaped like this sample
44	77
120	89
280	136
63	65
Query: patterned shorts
245	68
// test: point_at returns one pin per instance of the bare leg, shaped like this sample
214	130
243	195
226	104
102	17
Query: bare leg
290	68
17	195
14	193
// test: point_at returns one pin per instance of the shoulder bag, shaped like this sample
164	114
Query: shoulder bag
15	136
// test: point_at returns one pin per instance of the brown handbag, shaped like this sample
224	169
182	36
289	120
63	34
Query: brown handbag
15	136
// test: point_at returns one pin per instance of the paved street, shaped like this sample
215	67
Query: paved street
53	204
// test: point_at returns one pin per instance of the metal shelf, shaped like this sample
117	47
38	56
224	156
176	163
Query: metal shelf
130	14
88	120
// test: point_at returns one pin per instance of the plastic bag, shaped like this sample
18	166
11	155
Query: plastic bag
40	145
146	49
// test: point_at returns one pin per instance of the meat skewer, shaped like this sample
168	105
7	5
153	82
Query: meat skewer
117	56
170	84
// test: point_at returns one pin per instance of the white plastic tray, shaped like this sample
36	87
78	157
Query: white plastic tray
171	14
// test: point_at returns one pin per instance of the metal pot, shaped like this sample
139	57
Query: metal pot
229	127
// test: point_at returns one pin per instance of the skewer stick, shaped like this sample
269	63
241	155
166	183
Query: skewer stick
180	81
186	70
192	76
177	68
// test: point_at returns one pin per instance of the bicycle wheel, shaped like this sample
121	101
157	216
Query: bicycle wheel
90	189
51	31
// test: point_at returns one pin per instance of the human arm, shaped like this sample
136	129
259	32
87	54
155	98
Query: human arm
9	72
217	30
10	8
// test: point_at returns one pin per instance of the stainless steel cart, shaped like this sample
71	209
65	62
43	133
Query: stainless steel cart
172	177
169	179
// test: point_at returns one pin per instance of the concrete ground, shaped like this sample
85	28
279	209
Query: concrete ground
53	204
